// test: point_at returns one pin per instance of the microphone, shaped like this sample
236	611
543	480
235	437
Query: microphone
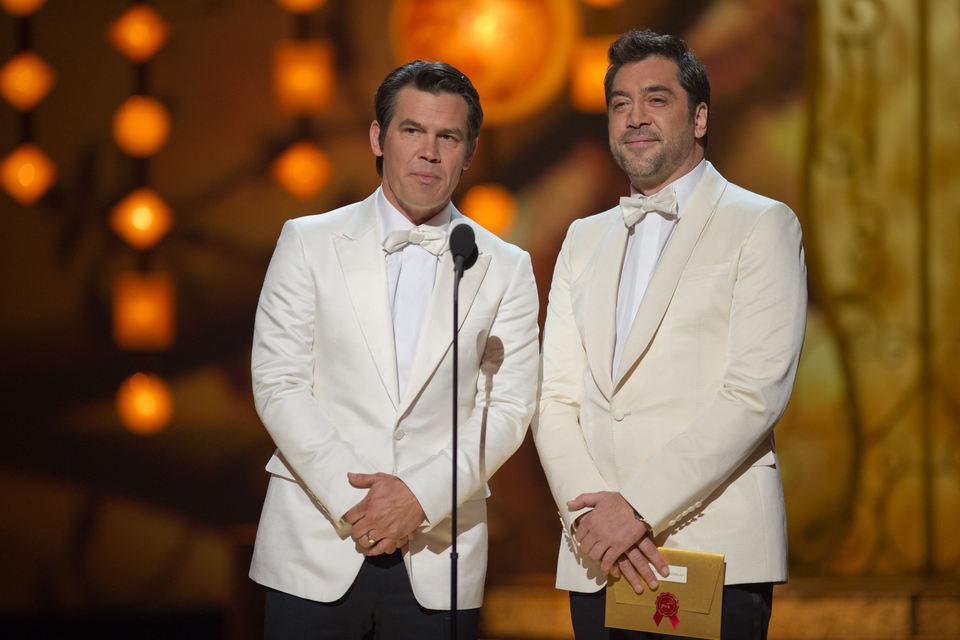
463	246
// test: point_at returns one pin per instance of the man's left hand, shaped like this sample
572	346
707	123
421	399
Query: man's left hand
386	517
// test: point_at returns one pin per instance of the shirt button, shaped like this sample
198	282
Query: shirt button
398	434
618	416
698	504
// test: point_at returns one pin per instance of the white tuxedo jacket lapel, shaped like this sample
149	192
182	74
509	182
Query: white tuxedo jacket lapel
436	335
697	213
600	330
363	268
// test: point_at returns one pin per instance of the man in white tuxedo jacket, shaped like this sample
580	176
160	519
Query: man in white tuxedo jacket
673	331
353	378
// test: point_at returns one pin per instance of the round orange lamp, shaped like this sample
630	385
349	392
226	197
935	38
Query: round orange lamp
25	80
516	52
27	173
303	169
491	206
141	126
144	404
141	218
138	33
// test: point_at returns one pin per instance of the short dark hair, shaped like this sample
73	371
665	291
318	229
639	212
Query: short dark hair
636	45
432	77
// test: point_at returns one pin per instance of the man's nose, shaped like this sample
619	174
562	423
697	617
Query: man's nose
638	114
428	150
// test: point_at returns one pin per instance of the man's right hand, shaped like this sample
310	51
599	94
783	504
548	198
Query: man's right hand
611	535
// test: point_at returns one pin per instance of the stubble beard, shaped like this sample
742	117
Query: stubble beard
639	169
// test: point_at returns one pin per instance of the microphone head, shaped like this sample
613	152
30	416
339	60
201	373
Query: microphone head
463	245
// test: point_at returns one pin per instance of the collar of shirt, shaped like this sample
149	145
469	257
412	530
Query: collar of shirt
682	186
392	220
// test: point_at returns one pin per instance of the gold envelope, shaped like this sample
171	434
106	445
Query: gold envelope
690	608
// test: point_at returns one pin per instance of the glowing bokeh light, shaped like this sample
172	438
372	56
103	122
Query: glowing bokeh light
27	173
491	206
142	218
303	169
25	80
138	33
141	126
143	312
144	404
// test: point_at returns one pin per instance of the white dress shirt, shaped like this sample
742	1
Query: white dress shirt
646	241
411	272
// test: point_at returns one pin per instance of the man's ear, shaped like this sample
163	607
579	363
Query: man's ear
466	164
700	120
375	138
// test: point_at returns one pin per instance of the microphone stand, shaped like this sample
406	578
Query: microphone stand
458	274
463	247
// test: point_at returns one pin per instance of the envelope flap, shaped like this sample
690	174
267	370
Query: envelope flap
700	573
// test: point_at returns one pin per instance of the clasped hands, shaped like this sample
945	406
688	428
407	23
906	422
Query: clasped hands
387	516
612	536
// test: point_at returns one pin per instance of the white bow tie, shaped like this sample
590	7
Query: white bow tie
432	239
634	209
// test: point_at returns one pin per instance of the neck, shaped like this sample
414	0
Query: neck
650	188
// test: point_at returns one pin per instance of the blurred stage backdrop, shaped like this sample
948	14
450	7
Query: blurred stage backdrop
150	153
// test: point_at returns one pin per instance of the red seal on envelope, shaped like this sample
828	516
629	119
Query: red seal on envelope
667	607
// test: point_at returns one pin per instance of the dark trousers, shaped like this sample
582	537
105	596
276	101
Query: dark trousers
745	615
380	605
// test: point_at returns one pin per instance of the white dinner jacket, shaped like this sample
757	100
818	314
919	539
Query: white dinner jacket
684	429
325	385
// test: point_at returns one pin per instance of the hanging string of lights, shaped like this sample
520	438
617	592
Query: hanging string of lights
303	83
144	307
27	172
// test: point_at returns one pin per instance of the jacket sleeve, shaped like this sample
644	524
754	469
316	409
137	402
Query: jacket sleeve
282	365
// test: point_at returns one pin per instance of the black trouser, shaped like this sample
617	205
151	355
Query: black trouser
745	615
379	605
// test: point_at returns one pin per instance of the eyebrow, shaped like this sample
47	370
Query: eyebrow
408	122
654	88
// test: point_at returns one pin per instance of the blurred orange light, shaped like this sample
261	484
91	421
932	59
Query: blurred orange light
26	173
301	6
138	33
516	52
602	4
303	169
141	218
21	8
143	312
303	75
141	126
144	404
587	69
491	206
25	80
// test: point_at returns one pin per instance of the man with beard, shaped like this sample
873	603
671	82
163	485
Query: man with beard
673	332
